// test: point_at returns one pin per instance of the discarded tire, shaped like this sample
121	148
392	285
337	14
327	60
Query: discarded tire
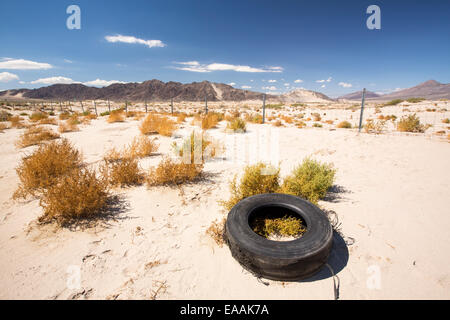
279	260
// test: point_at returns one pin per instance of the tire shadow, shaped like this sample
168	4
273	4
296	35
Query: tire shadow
337	260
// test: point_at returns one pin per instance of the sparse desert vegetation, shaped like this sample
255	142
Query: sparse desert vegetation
156	124
36	135
171	172
410	123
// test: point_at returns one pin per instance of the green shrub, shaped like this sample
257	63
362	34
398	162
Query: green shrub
415	100
257	179
393	102
286	226
311	180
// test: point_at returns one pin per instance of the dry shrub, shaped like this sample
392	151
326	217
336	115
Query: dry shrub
446	120
90	116
36	135
278	123
169	172
310	180
16	122
210	121
153	124
3	126
300	124
231	115
216	231
4	115
237	125
254	118
38	116
123	172
286	226
344	125
76	195
308	119
410	123
64	116
51	121
375	127
287	119
181	117
200	147
44	166
116	116
317	125
257	179
329	121
67	127
316	116
142	147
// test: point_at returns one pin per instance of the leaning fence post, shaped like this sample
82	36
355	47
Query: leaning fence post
126	107
82	108
109	106
362	109
264	108
206	104
95	106
171	105
146	108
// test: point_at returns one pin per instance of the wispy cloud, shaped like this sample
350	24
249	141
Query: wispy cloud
232	84
272	81
271	88
102	83
68	61
345	85
322	81
6	77
246	87
298	81
53	80
22	64
131	39
195	66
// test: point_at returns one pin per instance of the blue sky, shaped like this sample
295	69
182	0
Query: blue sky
324	45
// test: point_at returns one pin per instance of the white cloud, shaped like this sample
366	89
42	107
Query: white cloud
68	61
298	81
272	81
101	83
195	66
322	81
53	80
21	64
6	77
345	85
22	82
286	84
246	87
323	86
269	88
131	39
232	84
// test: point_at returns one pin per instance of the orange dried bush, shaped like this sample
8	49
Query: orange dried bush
155	124
36	135
76	195
216	231
44	166
117	115
38	116
67	127
123	172
210	121
344	125
169	172
16	122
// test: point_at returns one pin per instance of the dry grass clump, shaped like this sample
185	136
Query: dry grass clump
375	127
76	195
317	125
123	172
270	226
155	124
254	118
410	123
16	122
142	147
3	126
64	115
36	135
51	121
237	125
300	124
344	125
44	166
117	115
200	148
4	115
446	120
181	117
310	180
216	231
67	127
38	116
210	121
316	116
169	172
257	179
287	119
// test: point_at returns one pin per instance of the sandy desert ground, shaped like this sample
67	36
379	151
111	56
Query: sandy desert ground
391	197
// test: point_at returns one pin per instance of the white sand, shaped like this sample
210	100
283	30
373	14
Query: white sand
394	205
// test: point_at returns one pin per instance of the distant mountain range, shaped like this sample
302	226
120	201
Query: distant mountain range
156	90
430	89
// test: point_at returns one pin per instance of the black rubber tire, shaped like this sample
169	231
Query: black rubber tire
279	260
